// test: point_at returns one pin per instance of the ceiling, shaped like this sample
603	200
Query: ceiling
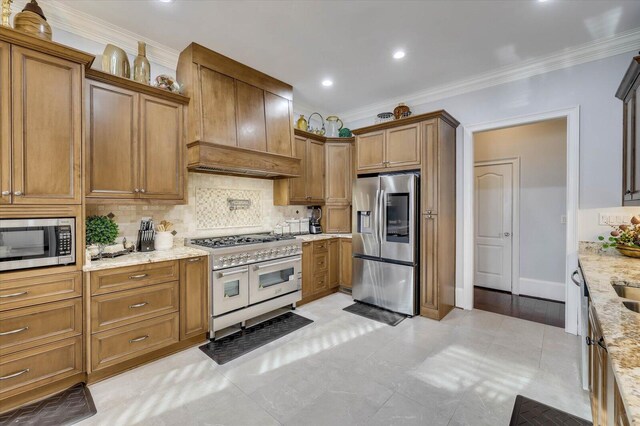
351	42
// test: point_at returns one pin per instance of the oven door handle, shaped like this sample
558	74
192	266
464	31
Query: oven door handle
295	259
226	274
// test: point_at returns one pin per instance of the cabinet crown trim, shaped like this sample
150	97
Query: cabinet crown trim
19	38
442	114
126	83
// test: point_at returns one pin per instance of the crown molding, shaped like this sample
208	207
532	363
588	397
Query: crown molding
592	51
63	17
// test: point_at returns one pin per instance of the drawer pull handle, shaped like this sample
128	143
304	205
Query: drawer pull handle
6	333
4	296
137	277
138	305
139	339
11	376
196	259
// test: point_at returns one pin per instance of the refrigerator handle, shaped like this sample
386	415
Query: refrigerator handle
381	220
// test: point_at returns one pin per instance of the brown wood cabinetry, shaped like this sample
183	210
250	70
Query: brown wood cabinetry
307	270
236	106
40	120
308	189
334	263
194	297
139	313
336	219
135	141
629	94
426	142
346	262
607	407
339	173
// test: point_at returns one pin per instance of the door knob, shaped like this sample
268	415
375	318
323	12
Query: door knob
17	193
507	234
5	193
136	190
143	190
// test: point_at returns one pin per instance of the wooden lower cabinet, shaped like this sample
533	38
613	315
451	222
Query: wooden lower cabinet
607	406
334	263
194	297
140	313
324	268
346	262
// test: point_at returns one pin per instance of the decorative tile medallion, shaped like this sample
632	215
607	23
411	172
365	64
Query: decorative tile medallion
227	208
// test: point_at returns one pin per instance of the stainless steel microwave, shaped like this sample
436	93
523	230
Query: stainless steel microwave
34	243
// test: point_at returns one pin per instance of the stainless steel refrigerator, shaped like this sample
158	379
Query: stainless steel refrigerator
385	243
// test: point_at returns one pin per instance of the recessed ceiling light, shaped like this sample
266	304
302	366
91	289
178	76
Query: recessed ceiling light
327	83
165	1
542	1
398	54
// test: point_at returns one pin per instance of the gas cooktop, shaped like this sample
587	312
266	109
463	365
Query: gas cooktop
239	240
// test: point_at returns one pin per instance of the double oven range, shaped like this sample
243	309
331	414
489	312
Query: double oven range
251	275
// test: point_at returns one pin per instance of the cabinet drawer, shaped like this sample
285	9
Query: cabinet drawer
320	262
125	307
36	367
111	280
320	246
123	343
28	327
320	282
47	288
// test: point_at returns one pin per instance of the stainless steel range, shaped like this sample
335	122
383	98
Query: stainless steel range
251	276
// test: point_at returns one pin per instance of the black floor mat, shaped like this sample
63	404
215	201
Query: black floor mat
65	408
375	313
529	412
231	347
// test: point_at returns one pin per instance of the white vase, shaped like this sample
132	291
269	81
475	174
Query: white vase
163	241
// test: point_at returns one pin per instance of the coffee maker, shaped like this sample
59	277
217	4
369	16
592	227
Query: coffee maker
314	219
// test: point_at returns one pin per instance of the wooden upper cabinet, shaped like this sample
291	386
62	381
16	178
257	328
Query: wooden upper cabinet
250	117
47	128
370	151
630	95
111	140
278	118
218	116
161	147
402	146
315	171
298	186
5	124
338	173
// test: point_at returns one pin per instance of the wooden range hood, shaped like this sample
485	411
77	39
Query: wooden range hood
239	119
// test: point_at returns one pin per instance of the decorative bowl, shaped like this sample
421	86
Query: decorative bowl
629	251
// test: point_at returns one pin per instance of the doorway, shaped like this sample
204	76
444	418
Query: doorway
520	177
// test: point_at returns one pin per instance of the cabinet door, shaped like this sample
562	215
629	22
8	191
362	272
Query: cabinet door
334	263
338	173
315	171
370	151
307	269
402	147
429	263
47	128
111	169
250	115
161	149
430	168
5	124
277	112
337	219
194	297
298	186
346	260
218	97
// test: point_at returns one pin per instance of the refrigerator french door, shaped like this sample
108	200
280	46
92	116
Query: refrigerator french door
385	241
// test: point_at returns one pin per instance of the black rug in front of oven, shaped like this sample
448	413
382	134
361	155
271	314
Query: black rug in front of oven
235	345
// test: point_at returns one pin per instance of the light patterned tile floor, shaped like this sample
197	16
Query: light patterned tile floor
347	370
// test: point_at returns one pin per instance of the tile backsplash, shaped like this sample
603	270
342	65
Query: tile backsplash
208	212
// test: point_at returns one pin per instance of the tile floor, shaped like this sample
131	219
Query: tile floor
348	370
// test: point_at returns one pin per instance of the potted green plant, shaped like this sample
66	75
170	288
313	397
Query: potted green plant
625	238
101	231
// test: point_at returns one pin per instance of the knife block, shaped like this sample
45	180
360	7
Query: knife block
145	241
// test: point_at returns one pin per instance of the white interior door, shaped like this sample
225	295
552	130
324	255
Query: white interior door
493	226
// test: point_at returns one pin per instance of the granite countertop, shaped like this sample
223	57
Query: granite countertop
620	326
177	252
316	237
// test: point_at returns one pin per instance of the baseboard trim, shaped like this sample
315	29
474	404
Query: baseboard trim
549	290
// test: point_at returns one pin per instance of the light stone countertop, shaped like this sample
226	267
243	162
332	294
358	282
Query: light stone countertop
620	326
177	252
317	237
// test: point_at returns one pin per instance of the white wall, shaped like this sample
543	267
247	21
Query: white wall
541	148
591	86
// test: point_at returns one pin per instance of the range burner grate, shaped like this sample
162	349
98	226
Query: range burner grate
238	240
